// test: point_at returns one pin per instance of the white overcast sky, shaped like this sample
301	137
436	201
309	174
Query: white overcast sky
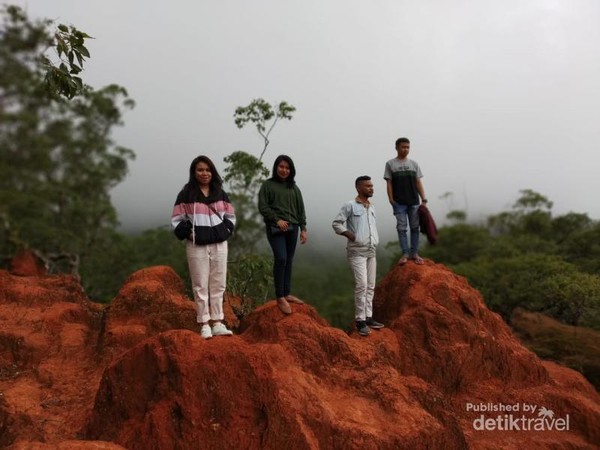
496	96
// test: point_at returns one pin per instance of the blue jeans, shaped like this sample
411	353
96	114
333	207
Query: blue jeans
284	247
407	216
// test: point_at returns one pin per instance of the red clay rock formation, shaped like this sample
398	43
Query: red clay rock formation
66	445
27	263
48	366
138	375
450	338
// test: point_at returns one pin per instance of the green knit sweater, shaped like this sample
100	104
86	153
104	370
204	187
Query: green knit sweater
278	201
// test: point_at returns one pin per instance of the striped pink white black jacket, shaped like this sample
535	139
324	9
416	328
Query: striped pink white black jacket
212	217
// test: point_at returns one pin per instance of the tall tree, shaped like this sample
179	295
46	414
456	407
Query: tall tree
264	116
58	161
245	172
249	275
531	213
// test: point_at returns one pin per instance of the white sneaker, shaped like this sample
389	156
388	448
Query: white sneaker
219	329
205	331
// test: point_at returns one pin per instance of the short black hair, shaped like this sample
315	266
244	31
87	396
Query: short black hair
361	178
402	140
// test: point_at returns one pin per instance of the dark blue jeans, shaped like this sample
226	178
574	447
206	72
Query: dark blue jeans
284	247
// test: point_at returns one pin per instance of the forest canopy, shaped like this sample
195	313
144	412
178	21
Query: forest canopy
58	163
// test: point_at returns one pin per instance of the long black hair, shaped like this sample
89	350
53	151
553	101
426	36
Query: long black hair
290	179
191	189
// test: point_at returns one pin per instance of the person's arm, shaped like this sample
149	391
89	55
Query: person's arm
387	176
228	213
390	191
182	226
303	236
340	221
266	199
301	209
301	215
264	203
421	190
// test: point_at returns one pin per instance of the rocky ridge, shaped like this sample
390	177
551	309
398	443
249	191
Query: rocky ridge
136	374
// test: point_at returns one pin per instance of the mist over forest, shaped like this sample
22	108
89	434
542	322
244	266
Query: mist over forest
70	191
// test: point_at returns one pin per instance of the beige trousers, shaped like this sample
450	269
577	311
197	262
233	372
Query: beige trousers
364	269
208	271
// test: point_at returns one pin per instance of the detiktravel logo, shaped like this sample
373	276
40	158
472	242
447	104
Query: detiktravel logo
516	417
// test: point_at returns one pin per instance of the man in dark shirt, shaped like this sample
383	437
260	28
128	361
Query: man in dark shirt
405	193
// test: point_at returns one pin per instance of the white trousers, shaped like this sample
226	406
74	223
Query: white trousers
364	269
208	271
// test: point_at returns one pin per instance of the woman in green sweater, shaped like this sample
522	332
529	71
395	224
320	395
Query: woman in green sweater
281	205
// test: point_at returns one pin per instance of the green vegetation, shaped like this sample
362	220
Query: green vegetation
249	273
326	281
57	159
264	117
574	347
58	163
527	258
23	54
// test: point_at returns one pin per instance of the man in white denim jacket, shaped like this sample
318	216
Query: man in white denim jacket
356	221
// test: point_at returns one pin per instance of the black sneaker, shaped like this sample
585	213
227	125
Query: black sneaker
374	324
362	328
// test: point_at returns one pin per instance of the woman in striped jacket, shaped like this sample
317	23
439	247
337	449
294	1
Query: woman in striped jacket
205	218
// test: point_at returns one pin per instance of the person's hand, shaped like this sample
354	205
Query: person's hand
283	225
350	235
303	237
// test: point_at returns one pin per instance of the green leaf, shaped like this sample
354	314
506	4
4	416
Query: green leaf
84	51
61	47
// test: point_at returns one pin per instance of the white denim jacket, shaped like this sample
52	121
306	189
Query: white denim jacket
360	219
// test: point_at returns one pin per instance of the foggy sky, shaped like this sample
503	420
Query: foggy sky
495	96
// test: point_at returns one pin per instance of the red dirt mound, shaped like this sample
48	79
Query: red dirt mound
48	365
450	338
27	263
300	383
151	301
138	375
66	445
